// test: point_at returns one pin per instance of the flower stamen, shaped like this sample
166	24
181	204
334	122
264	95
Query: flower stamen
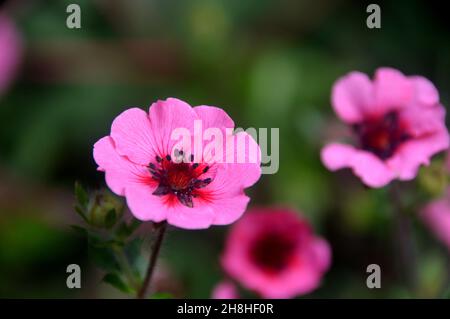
179	179
381	136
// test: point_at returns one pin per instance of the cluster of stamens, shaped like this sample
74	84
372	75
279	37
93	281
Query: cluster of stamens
179	178
273	251
382	135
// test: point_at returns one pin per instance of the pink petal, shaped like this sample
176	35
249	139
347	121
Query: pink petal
132	134
305	272
119	172
165	117
229	209
425	92
212	116
424	120
337	156
198	217
436	216
10	51
215	120
372	171
144	205
229	181
148	207
352	96
322	254
225	290
392	90
407	160
302	279
247	158
233	178
301	275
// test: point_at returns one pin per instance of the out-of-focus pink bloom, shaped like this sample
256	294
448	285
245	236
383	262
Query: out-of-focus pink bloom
10	51
190	190
397	121
225	290
275	253
436	215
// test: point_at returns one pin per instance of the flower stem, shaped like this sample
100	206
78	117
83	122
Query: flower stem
404	241
160	231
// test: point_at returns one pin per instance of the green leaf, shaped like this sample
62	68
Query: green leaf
116	281
80	212
133	251
110	218
124	230
94	240
104	258
161	295
81	195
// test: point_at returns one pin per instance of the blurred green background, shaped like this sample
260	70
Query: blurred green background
267	63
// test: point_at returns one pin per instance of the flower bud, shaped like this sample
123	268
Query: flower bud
105	211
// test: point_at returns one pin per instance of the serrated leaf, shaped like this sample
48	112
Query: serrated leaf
81	195
116	281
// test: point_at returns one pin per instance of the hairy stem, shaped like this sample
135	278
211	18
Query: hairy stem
160	231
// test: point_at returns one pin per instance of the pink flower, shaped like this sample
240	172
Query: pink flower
275	253
10	51
397	123
225	290
436	215
164	178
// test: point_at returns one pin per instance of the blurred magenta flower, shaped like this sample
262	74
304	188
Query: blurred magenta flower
189	191
10	51
397	122
225	290
436	215
275	253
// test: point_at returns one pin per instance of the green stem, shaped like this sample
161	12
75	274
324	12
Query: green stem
160	231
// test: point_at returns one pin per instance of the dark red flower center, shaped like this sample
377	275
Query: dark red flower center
381	135
273	251
178	178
